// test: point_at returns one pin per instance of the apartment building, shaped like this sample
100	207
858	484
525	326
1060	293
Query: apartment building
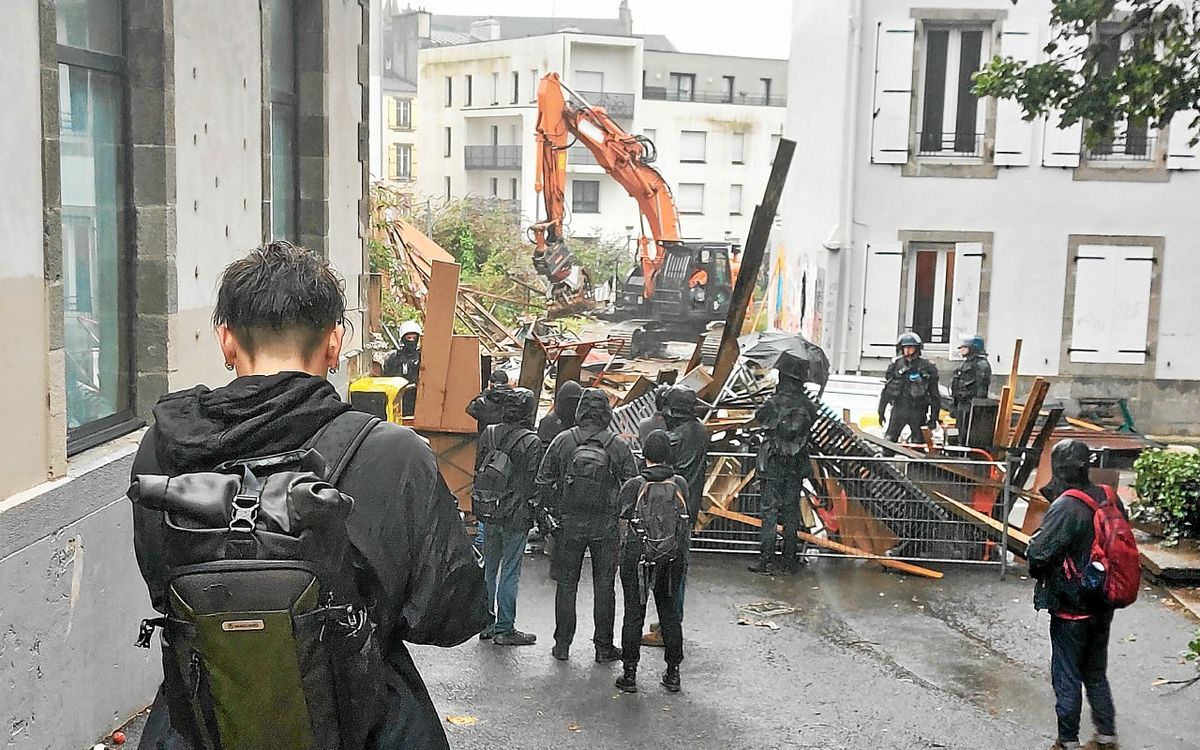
146	145
922	207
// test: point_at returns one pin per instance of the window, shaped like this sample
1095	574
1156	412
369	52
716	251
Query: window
591	81
950	117
400	162
97	260
735	200
400	114
513	190
650	133
470	90
494	133
739	148
728	91
449	91
447	181
533	85
494	188
691	146
930	291
516	81
285	191
1131	139
495	89
1101	331
690	198
449	143
585	196
682	87
766	90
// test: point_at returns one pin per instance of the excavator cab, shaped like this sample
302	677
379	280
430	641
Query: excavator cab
692	287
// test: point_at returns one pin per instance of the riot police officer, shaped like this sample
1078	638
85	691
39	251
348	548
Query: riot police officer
971	380
405	362
911	387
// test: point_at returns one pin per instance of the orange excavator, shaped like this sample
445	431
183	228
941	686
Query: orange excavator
679	286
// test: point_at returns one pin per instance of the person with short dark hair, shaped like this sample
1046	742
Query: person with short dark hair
640	578
279	319
579	480
655	421
487	408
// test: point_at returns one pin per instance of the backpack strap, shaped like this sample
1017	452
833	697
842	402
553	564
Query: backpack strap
338	441
512	438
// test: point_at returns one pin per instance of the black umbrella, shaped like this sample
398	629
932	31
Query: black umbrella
766	348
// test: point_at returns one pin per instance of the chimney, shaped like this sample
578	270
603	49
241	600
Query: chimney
625	17
485	30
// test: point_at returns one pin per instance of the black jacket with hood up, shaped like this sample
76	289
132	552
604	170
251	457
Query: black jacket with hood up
405	527
562	416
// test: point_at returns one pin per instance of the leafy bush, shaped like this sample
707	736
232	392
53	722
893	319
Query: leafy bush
1168	487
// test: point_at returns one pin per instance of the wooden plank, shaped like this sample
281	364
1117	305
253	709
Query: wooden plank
1020	433
752	259
455	454
697	355
1003	417
435	346
722	486
465	385
1034	456
640	387
533	365
1018	541
856	525
568	367
845	549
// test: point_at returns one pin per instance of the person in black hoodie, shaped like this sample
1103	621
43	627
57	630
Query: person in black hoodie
562	416
279	320
589	520
1079	627
488	407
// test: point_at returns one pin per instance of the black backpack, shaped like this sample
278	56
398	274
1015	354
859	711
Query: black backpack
267	642
660	519
589	478
492	493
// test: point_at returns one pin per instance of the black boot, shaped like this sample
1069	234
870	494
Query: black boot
605	654
627	682
670	678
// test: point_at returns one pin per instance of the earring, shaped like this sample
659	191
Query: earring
229	366
333	370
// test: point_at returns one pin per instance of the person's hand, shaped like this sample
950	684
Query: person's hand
881	416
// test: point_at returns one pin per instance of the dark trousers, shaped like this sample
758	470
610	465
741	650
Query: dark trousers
962	414
568	563
780	505
901	416
1079	659
666	586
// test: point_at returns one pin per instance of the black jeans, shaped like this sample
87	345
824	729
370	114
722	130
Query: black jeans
568	563
780	504
907	415
666	587
1079	659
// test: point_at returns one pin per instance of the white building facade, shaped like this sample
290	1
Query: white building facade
479	113
913	205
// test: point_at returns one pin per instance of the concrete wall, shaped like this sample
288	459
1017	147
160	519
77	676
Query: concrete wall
1030	211
24	433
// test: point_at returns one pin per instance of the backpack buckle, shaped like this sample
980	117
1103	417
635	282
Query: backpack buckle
146	631
243	514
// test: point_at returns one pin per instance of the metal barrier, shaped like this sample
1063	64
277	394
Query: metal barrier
913	509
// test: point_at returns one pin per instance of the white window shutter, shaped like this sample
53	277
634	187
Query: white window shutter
894	44
1180	153
1112	304
881	299
964	310
1061	146
1131	305
1014	136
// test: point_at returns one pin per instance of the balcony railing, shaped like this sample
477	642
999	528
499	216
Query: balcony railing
616	105
1129	147
949	145
713	97
579	155
493	157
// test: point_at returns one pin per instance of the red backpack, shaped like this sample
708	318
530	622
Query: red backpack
1113	547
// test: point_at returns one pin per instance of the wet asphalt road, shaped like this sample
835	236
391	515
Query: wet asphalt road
868	660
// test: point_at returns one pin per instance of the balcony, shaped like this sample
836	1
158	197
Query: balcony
713	97
949	145
579	155
1133	146
616	105
493	157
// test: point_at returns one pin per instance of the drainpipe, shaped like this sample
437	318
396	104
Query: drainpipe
845	268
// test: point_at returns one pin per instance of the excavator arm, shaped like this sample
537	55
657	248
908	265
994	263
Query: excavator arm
563	114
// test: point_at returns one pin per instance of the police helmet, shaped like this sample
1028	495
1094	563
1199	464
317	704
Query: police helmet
974	343
908	338
1070	460
410	327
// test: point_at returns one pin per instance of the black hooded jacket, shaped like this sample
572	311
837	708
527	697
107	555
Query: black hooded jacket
689	454
488	407
562	416
405	528
591	417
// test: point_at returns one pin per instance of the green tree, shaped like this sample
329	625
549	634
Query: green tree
1108	62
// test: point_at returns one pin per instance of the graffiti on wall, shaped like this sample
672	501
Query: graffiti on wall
796	293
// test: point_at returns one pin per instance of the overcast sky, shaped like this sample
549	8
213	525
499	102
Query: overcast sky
756	28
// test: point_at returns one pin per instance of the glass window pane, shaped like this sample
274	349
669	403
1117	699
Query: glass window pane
95	298
283	48
90	24
283	172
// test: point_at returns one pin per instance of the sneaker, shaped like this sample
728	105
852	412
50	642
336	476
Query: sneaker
1096	743
763	568
561	651
654	639
486	635
627	682
514	638
655	627
606	654
670	679
1060	745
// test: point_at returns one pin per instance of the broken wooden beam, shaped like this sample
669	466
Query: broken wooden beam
1021	433
1018	541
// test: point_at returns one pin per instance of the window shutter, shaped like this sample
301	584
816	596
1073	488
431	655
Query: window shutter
391	167
893	91
691	145
964	310
1112	304
1014	136
881	299
1061	146
392	114
1180	153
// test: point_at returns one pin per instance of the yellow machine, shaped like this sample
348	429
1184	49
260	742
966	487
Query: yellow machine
379	396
